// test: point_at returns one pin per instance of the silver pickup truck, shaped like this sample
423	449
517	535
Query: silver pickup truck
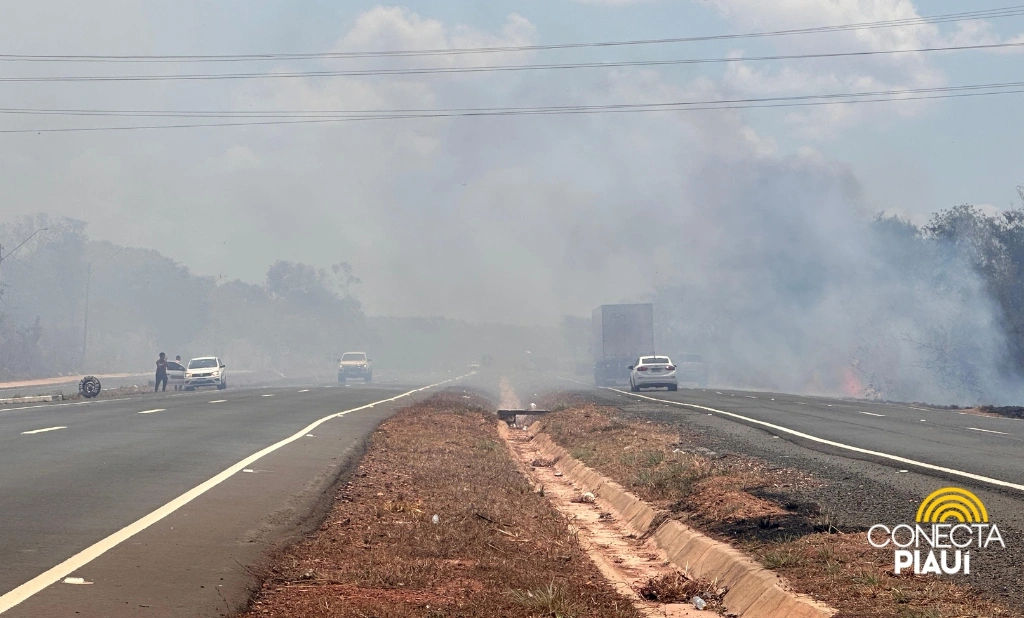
355	366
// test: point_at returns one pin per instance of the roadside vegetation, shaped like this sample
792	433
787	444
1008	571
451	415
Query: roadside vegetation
724	496
495	549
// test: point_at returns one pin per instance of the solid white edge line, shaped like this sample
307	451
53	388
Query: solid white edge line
27	433
87	555
855	449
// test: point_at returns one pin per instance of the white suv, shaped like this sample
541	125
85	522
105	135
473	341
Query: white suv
652	372
355	365
205	371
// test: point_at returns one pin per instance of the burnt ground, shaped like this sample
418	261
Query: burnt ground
849	494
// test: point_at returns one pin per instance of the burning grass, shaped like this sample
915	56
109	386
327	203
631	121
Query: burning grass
497	548
718	494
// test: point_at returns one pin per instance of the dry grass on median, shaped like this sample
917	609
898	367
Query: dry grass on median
498	549
716	494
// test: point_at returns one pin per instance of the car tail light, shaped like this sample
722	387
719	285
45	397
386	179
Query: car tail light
641	368
670	368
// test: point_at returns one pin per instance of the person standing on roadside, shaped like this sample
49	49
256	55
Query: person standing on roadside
161	372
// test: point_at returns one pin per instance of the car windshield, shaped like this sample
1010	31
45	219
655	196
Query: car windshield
202	363
655	360
353	357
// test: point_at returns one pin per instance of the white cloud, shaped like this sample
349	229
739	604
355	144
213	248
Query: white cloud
825	76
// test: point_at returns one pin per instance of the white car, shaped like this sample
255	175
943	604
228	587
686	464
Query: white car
205	371
175	375
355	365
652	372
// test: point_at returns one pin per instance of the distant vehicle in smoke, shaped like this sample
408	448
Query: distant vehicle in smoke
652	372
175	375
206	371
692	368
621	334
487	360
355	365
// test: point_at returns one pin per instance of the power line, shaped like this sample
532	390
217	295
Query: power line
727	104
363	112
497	68
1010	11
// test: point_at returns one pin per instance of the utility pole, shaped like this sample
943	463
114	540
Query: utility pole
85	326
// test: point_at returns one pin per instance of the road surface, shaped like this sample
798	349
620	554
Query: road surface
72	475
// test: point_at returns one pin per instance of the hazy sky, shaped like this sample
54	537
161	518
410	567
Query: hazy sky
498	219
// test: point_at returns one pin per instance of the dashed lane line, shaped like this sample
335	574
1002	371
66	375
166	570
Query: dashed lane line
87	555
28	433
153	411
218	401
1002	433
871	413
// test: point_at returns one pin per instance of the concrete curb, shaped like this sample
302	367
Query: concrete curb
753	591
35	399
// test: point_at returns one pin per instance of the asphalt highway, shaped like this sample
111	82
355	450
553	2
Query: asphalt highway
988	447
73	475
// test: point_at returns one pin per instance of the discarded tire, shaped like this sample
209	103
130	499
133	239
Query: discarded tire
89	387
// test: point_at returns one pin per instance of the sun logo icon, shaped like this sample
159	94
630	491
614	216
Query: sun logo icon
952	503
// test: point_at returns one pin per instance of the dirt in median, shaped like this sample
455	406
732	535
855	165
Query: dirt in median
498	549
730	497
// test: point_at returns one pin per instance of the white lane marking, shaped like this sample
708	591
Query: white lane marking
218	401
152	411
800	403
58	405
717	393
872	414
305	390
1002	433
266	395
87	555
855	449
27	433
921	409
750	397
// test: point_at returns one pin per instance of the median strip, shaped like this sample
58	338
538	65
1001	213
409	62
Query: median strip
437	521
